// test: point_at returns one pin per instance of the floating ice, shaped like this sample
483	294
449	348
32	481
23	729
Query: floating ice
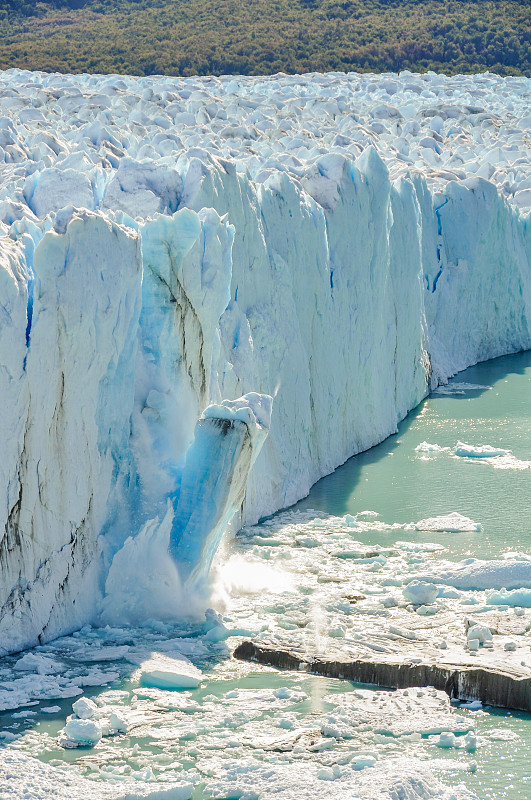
34	662
395	778
516	598
24	776
420	710
479	574
446	740
80	733
426	447
459	387
169	672
449	523
479	451
118	723
84	708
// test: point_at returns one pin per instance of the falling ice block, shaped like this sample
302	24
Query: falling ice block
169	672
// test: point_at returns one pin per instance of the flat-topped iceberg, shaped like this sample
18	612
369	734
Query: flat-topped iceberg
165	672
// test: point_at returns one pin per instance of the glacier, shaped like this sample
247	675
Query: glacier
214	292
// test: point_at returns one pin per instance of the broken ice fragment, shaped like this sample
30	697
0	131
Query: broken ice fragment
446	739
169	672
478	451
420	592
80	733
479	632
84	708
449	523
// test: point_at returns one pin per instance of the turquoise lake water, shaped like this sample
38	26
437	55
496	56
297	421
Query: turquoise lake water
392	480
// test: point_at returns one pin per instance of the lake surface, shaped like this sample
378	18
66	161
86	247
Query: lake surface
403	485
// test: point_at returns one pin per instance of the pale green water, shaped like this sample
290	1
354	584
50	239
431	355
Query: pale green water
392	480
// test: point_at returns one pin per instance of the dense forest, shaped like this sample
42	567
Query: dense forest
185	37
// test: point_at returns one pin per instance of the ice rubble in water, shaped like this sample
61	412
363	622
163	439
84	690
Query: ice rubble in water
341	243
451	523
495	456
478	451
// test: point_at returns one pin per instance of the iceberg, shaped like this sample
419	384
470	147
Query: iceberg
448	523
174	253
164	672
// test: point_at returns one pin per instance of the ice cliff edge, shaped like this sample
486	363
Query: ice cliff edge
142	282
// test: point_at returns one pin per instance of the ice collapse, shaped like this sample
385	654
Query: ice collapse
341	243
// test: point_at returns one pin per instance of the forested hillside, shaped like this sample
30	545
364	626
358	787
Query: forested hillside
184	37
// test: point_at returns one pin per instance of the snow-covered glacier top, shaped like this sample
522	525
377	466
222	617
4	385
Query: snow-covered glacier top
125	143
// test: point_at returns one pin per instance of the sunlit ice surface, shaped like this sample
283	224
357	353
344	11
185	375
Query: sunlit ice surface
319	576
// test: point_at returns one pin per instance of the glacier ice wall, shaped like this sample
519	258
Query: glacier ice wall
167	244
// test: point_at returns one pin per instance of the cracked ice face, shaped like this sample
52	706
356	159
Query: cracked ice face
337	242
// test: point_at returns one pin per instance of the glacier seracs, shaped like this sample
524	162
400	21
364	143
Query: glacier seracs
340	243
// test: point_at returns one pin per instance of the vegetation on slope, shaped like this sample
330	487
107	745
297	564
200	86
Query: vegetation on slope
185	37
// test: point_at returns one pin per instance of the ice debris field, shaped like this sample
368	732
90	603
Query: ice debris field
213	292
172	716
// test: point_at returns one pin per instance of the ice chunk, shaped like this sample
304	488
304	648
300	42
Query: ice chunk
169	672
420	592
446	740
479	451
34	662
450	523
227	441
80	733
518	598
329	773
118	722
480	633
362	760
84	708
426	447
470	741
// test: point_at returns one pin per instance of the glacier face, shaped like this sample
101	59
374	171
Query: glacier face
339	243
